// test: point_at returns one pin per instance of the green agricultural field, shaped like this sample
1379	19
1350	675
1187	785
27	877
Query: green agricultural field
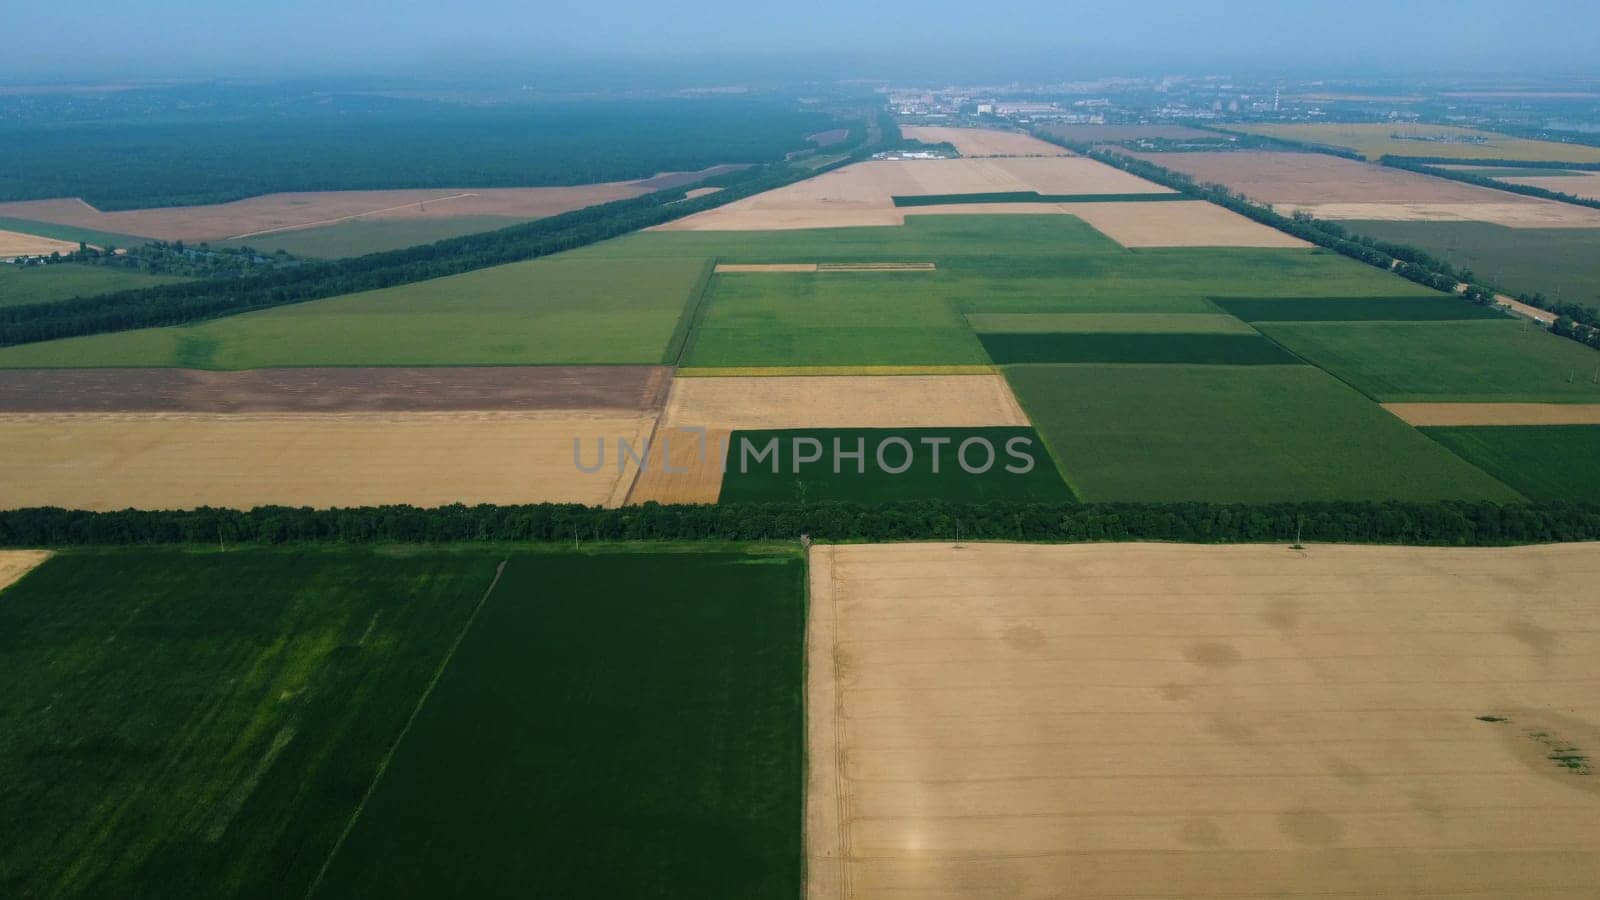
363	236
1560	263
933	470
1107	323
184	722
558	310
1544	462
1208	349
1440	307
43	284
103	239
922	238
612	725
830	319
1243	434
1396	362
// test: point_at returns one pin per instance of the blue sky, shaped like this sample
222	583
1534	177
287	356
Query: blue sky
163	38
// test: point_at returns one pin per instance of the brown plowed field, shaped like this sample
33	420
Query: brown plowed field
108	461
334	389
1314	178
1169	721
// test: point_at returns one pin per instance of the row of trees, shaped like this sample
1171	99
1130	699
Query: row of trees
1423	166
1441	523
1576	322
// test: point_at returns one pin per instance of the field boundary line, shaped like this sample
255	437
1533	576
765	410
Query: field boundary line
383	764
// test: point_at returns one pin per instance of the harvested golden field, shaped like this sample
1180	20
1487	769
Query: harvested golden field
722	268
273	213
1187	223
1438	141
14	244
692	472
983	141
16	563
1313	178
863	194
1425	414
1165	721
183	460
1515	213
842	401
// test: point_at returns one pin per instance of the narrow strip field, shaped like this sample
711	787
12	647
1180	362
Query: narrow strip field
1421	414
1001	720
185	460
1106	347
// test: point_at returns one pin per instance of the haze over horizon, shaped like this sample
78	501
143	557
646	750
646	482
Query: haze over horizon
830	39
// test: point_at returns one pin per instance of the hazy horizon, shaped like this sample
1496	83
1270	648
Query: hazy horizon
184	39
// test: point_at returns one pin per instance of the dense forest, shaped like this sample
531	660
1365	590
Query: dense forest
149	148
1443	523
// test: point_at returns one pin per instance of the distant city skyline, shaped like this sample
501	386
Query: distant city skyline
187	39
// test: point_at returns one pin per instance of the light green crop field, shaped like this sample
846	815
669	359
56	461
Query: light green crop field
1107	323
557	310
830	319
1481	361
363	236
1544	462
43	284
1561	263
1233	434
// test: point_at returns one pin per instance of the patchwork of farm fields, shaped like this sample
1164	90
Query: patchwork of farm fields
278	723
1439	141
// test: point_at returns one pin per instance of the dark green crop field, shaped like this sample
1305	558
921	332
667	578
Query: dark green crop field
1213	349
613	725
1561	263
931	459
1355	309
1488	361
178	723
1237	434
1544	462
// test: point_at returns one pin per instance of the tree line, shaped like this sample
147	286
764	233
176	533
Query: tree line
1448	523
177	304
1575	322
1423	166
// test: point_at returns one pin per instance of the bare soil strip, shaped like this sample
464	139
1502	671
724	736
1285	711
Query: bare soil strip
16	563
1425	414
814	371
878	267
334	389
1193	721
983	141
829	401
14	244
765	267
106	461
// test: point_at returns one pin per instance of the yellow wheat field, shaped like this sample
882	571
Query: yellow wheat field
180	460
1190	721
